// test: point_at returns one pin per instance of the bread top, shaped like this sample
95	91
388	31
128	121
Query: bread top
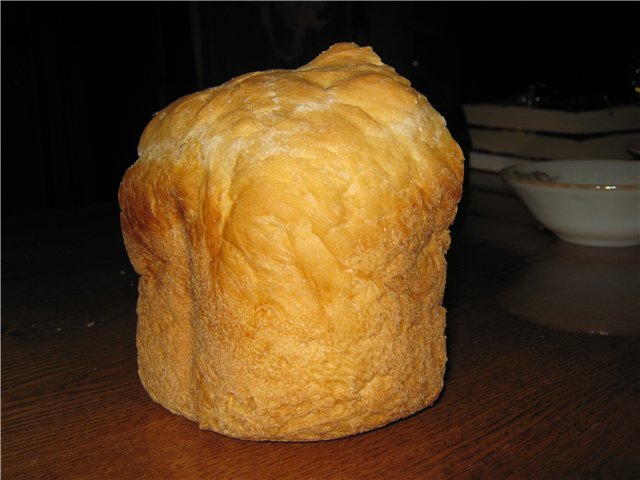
347	80
342	144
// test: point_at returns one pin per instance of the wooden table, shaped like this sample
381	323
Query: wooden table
524	397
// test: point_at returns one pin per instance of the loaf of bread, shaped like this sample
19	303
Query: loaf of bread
290	228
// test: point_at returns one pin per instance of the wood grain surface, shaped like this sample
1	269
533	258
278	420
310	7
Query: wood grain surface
529	393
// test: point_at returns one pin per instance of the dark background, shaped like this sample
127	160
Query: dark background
81	80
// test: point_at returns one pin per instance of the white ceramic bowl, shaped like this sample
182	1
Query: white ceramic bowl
588	202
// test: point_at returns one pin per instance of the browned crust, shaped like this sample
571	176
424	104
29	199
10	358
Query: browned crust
290	228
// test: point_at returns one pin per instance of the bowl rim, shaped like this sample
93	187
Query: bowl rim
508	175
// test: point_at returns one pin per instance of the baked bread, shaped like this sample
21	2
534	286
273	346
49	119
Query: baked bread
290	230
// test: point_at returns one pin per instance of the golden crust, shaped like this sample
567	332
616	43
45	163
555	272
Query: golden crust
289	228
